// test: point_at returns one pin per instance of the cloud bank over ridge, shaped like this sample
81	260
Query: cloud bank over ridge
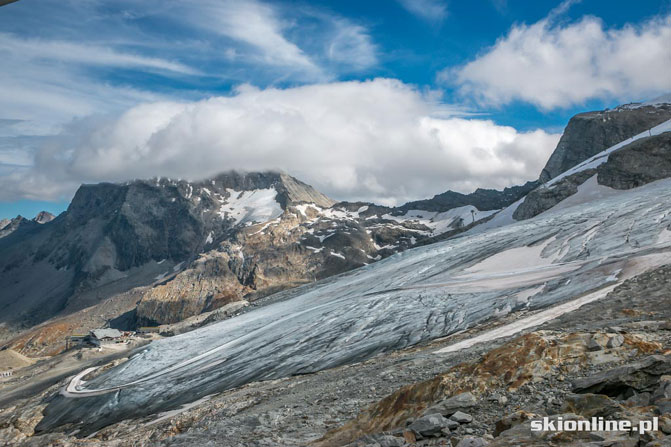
379	140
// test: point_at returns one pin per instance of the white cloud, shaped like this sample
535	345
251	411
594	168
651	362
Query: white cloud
25	50
45	82
558	65
252	23
429	10
44	93
351	46
379	140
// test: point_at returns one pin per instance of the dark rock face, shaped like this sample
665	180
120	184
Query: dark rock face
589	133
113	236
638	376
544	198
482	199
641	162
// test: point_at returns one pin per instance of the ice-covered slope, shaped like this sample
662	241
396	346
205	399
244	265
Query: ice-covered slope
403	300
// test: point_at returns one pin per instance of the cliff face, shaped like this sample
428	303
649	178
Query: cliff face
641	162
589	133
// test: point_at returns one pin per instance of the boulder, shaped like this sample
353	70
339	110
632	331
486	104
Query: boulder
451	405
461	417
431	425
664	406
452	425
594	345
615	341
664	442
664	389
638	400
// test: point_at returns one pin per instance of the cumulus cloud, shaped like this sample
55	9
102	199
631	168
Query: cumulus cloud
378	140
552	64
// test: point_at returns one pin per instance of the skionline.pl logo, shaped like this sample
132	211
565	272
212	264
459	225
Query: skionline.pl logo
594	424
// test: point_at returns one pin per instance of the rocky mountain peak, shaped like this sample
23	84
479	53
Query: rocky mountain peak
43	217
119	235
8	226
589	133
290	191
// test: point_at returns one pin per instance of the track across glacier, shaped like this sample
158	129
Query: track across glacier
409	298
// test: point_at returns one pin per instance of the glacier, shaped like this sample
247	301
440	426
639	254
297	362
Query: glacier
404	300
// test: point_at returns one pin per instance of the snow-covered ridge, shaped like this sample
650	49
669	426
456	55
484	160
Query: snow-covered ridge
435	222
442	222
655	102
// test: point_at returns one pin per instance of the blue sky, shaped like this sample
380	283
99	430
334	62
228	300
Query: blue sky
367	100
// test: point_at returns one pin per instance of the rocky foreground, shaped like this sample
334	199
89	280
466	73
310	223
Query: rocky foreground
609	358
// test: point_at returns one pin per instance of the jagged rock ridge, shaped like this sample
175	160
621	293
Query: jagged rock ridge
8	226
482	199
